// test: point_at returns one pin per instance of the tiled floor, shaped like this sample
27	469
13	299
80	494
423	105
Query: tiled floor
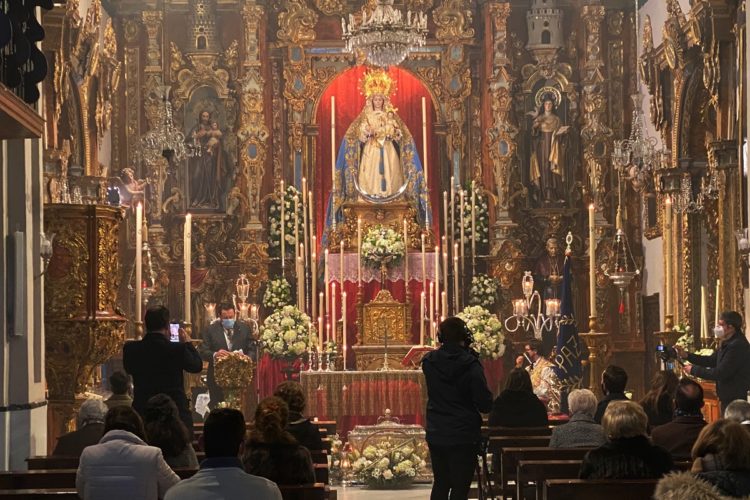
416	492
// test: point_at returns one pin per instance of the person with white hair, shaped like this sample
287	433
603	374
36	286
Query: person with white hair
581	431
89	429
739	411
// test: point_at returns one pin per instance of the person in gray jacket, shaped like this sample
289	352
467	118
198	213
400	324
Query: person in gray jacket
581	431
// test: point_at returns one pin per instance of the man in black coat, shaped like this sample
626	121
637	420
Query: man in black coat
679	435
220	338
157	365
89	430
614	380
729	365
457	394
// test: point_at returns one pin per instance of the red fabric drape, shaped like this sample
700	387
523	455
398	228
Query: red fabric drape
349	103
270	373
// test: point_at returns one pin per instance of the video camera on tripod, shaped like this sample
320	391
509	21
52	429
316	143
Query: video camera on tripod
667	353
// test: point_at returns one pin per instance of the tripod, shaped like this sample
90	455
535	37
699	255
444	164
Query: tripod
484	482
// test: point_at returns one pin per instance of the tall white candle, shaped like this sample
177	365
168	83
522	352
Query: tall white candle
296	224
704	318
341	264
343	326
421	319
452	232
282	199
326	285
359	252
333	158
300	282
444	304
320	335
314	282
305	233
138	263
313	236
668	254
321	310
446	285
455	279
424	141
406	256
431	314
462	195
445	215
333	310
436	277
187	237
716	308
473	223
592	262
301	276
424	266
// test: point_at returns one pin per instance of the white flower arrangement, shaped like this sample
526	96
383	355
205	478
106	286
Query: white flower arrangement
274	222
387	464
483	291
286	333
381	242
487	331
482	223
686	340
278	294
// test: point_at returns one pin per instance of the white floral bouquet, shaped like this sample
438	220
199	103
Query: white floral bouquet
686	340
387	464
330	347
487	331
335	458
483	291
274	222
286	333
278	294
380	243
482	223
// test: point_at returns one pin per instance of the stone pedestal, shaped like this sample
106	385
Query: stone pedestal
83	325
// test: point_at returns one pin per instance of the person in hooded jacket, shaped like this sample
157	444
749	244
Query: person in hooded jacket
457	395
517	405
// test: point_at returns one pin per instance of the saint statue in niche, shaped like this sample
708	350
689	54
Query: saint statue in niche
207	171
547	165
380	173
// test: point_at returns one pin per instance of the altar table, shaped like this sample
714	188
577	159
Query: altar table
360	397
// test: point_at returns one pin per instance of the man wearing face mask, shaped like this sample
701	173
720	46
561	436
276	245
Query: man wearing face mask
223	336
729	365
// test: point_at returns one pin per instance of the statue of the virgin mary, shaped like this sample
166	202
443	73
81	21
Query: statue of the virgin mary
377	160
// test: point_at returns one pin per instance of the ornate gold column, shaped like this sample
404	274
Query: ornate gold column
598	345
83	325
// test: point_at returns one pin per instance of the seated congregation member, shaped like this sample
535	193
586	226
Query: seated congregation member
122	466
517	406
721	456
614	380
739	411
628	453
89	429
119	384
305	432
658	401
679	435
544	381
581	431
165	430
221	475
272	452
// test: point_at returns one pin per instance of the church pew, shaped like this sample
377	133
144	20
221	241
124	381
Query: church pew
495	446
315	491
597	489
517	431
52	462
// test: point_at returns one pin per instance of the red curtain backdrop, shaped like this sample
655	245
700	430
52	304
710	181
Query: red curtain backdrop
349	103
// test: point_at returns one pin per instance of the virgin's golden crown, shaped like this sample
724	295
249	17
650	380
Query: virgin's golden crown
377	82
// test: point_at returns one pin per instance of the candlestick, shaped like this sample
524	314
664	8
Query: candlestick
282	200
341	264
310	208
424	266
463	226
139	263
328	333
704	324
326	285
592	269
406	256
668	268
320	337
421	319
359	252
314	282
333	160
444	304
343	326
445	215
473	226
452	232
321	308
296	224
431	309
187	236
716	308
446	285
455	278
436	278
333	310
301	276
424	141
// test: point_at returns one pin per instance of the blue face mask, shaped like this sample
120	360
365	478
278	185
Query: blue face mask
227	323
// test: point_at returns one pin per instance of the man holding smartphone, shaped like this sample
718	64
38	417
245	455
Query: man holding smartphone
219	339
157	365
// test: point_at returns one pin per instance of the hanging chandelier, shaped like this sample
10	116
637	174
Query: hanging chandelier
637	156
383	35
622	267
164	139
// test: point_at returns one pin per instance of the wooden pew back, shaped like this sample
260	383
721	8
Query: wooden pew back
598	489
536	471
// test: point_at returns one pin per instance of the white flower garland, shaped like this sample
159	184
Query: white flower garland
483	291
381	242
278	294
482	218
286	333
487	331
274	224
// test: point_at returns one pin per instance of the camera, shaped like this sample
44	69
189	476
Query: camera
666	353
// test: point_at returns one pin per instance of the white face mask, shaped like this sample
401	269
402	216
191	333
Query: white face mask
719	332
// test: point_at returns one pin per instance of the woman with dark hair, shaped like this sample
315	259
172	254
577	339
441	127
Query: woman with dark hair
165	430
122	466
305	432
658	402
272	452
517	406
